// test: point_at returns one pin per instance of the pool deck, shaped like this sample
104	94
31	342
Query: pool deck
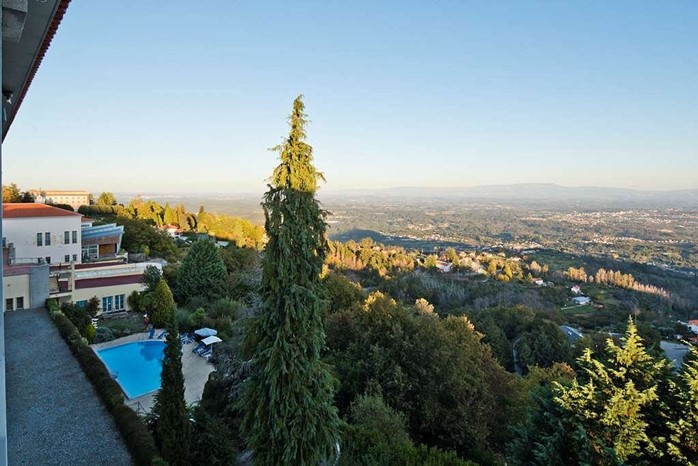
54	415
195	368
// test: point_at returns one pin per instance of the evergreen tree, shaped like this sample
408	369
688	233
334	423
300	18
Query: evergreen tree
168	216
683	445
551	437
106	198
161	304
202	272
172	428
151	277
617	399
289	417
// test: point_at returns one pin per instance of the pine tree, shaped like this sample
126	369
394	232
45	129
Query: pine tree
289	417
172	428
202	272
168	216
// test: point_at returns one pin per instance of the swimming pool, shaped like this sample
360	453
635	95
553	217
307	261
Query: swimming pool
137	365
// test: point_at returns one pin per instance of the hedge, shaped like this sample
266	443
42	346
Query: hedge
138	439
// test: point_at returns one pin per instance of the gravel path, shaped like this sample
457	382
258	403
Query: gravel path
54	416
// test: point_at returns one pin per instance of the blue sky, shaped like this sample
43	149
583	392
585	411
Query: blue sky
187	96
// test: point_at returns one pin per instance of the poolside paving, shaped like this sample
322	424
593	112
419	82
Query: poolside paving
54	416
194	368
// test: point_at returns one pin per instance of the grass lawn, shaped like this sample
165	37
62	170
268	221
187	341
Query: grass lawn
577	309
556	260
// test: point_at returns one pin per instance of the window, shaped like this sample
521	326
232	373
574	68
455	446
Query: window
119	302
20	303
81	304
8	304
75	257
47	259
47	238
66	259
4	242
75	237
39	238
90	252
66	237
107	304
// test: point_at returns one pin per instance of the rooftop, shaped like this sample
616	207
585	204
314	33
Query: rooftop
29	210
61	192
27	35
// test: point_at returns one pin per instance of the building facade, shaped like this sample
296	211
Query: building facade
26	286
74	199
37	233
111	283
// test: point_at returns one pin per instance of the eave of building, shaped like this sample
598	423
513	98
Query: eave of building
21	60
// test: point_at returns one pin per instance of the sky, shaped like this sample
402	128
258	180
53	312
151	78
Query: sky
186	97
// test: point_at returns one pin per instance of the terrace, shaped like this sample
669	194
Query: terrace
56	425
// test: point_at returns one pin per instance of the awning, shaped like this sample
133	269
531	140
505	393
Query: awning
206	332
211	340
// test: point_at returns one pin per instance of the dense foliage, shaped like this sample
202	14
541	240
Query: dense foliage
160	304
436	371
141	212
624	407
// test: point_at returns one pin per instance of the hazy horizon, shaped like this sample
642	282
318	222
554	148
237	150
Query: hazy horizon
398	94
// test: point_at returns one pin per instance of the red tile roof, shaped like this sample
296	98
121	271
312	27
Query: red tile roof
29	210
107	281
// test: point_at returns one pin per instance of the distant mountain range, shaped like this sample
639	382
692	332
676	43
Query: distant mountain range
530	194
537	192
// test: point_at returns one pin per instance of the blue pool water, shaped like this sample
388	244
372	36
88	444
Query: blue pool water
137	365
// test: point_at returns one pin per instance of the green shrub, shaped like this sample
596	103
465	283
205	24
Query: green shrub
196	302
138	439
211	441
184	320
224	308
90	333
377	434
104	334
199	318
135	301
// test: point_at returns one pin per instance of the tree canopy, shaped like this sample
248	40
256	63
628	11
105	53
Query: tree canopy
202	272
106	198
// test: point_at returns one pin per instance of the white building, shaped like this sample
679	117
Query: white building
581	300
35	233
111	284
74	199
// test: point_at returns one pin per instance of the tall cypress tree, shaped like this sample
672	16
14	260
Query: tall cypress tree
289	417
172	428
